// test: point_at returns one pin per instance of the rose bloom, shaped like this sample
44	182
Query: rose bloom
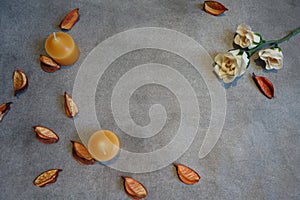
245	37
231	64
273	58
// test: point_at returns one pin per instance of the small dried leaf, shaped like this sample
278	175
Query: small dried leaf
20	81
264	85
81	154
214	7
134	188
4	108
71	109
46	177
45	135
48	64
70	19
186	174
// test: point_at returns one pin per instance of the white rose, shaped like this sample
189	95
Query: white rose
231	64
245	37
273	58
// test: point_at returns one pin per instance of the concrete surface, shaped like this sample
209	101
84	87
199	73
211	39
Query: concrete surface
257	156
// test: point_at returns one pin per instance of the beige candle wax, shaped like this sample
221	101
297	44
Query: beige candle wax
104	145
61	47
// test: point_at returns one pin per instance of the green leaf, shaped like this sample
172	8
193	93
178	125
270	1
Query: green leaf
240	53
259	35
248	64
276	47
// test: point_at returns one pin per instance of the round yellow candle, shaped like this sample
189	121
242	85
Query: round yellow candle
104	145
61	47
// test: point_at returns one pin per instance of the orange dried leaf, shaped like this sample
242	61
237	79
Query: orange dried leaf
46	177
70	19
70	107
4	108
20	81
264	85
45	135
48	64
134	188
186	174
81	154
214	7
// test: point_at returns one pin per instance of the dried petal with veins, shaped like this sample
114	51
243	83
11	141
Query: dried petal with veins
4	108
214	7
81	154
48	64
20	81
46	177
70	107
45	135
186	174
70	19
134	188
264	85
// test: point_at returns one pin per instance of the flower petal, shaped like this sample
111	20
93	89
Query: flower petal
272	57
231	64
245	37
243	29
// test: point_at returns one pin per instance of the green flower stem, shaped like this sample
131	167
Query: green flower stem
265	44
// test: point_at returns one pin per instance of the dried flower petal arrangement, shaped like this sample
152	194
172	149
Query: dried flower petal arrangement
4	108
47	177
70	19
232	64
214	8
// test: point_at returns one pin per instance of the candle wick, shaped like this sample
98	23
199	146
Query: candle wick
54	34
102	149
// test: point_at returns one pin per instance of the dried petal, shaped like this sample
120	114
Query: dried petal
20	81
264	85
186	174
70	19
214	7
71	109
48	64
46	177
4	108
45	135
134	188
81	154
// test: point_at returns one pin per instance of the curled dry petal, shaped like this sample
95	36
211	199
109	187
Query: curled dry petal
48	64
214	7
134	188
186	174
71	109
264	85
45	135
70	19
20	81
4	108
81	154
46	177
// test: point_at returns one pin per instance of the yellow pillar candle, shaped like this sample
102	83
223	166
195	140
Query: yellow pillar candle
61	47
104	145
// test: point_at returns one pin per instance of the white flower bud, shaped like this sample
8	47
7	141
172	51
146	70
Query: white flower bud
231	64
273	58
245	38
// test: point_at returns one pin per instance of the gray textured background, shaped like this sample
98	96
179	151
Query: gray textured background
257	156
